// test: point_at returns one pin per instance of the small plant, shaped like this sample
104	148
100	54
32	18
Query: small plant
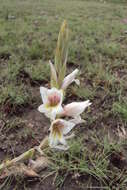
120	109
38	72
52	107
35	51
13	98
53	98
82	92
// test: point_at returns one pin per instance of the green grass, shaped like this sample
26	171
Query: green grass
83	92
120	109
39	71
13	98
28	36
81	161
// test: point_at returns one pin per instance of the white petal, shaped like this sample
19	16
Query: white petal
51	111
46	111
63	141
69	79
56	111
53	114
53	71
53	141
41	108
57	132
77	81
54	137
49	115
74	109
53	91
61	147
61	96
67	126
43	92
77	120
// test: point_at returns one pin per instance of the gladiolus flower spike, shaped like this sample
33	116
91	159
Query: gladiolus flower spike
52	98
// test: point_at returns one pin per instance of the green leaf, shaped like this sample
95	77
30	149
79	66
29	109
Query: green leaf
61	53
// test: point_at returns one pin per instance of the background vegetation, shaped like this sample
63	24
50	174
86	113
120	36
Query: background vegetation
98	47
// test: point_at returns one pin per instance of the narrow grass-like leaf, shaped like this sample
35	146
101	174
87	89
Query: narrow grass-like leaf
61	53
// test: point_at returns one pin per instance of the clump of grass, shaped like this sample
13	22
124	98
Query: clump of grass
93	163
38	72
107	145
14	69
12	125
120	109
78	159
35	51
82	92
110	49
5	52
102	76
14	97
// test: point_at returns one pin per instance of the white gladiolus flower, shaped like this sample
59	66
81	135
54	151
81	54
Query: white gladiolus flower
59	128
74	109
69	79
52	100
